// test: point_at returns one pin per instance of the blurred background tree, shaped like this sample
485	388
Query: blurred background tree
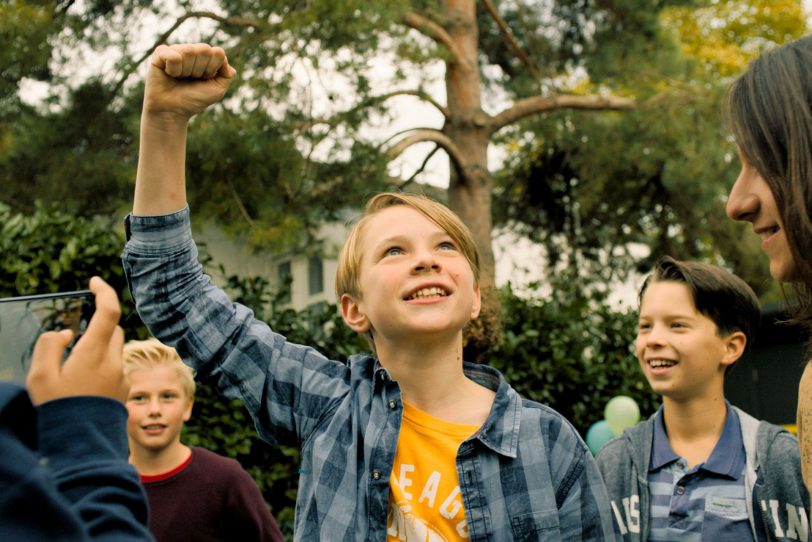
317	88
608	194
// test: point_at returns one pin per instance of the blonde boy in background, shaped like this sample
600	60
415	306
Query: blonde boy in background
193	494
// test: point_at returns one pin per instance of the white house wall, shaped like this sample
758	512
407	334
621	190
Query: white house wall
238	259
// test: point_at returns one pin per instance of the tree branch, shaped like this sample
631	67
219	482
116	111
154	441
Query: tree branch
421	169
240	206
511	40
418	93
423	135
429	28
541	104
333	121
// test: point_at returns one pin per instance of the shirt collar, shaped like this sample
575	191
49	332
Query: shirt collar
661	452
500	432
727	458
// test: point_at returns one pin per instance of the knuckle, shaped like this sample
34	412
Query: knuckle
200	48
109	311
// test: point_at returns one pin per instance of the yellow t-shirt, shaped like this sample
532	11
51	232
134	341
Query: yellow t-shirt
424	492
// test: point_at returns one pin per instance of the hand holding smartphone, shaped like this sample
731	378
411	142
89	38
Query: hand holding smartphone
23	319
93	367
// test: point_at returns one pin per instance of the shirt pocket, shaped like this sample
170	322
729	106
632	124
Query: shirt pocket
536	526
726	519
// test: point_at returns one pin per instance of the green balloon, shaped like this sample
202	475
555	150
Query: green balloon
621	412
598	434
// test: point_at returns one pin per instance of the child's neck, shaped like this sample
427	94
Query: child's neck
695	426
432	380
152	463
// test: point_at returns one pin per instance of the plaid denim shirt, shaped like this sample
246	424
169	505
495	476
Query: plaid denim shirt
525	475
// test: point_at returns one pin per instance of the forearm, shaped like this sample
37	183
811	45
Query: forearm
160	184
182	81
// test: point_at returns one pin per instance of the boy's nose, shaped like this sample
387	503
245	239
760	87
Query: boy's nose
154	408
654	337
425	261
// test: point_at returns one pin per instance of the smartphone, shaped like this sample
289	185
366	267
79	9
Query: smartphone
23	319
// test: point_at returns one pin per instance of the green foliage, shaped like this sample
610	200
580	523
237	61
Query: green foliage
589	187
572	352
724	36
286	150
49	250
81	157
24	30
248	174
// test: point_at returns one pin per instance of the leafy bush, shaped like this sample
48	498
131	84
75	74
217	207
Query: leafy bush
571	352
52	251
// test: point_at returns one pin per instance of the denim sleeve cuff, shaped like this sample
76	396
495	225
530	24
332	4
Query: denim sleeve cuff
158	234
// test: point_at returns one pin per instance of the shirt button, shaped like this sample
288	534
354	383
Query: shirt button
382	375
680	490
392	403
376	474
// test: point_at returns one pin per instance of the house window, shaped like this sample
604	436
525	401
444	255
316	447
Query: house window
285	281
315	275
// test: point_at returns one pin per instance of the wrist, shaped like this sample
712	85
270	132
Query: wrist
164	122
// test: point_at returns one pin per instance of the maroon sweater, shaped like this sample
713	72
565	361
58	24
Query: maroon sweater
208	498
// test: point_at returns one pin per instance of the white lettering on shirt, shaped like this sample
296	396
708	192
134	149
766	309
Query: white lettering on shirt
451	506
619	518
430	489
797	523
404	481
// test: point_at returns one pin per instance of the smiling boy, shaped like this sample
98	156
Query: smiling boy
409	444
699	468
194	494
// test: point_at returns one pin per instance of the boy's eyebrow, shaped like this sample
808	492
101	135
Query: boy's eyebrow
669	316
402	237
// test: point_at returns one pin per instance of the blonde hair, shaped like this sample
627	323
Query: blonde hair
150	354
348	275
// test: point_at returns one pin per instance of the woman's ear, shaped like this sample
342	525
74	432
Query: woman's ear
353	314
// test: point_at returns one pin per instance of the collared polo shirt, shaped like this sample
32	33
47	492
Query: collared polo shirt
705	503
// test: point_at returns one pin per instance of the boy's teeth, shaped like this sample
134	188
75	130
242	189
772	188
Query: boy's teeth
661	363
428	292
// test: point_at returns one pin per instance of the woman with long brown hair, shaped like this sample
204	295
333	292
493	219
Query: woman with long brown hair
769	109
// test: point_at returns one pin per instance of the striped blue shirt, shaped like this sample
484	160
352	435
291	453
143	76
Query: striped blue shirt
705	503
525	475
